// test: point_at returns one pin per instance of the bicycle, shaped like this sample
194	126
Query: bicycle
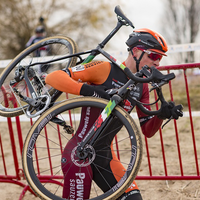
60	120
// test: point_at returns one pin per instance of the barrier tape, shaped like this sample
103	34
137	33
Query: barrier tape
183	47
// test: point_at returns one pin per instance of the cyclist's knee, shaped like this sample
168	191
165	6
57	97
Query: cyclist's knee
131	195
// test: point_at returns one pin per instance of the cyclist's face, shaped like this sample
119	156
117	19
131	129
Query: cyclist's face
145	59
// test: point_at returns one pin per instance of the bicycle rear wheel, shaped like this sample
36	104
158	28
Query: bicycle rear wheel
45	146
47	49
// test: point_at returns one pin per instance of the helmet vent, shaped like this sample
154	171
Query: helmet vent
162	41
151	42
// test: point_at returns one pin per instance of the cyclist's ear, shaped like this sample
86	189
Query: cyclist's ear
135	51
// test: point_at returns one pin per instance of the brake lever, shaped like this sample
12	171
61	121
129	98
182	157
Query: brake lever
180	115
112	91
167	122
157	85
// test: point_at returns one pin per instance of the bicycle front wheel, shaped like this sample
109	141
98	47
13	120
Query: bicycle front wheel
48	49
48	143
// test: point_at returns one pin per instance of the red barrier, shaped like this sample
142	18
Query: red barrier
150	161
165	175
19	175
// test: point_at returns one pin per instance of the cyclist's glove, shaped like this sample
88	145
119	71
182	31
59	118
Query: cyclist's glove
95	91
169	110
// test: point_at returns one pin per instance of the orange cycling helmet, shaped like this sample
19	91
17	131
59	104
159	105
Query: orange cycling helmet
148	39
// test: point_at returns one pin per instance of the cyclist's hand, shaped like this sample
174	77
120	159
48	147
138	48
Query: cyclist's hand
177	111
169	110
95	91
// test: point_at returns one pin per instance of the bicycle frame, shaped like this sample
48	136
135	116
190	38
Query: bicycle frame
108	112
115	100
122	20
105	117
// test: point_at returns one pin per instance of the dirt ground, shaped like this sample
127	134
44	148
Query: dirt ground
150	189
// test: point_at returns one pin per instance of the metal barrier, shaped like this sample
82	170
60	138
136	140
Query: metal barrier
163	173
156	165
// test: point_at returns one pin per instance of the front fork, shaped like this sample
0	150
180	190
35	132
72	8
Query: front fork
100	125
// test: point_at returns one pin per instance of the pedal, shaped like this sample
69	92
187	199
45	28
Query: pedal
69	129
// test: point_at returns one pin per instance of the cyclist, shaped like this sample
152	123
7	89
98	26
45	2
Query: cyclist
146	47
39	35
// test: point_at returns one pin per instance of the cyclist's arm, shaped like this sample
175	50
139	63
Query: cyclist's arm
71	82
30	42
149	124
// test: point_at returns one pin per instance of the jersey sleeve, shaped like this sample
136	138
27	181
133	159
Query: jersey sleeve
61	81
144	99
95	72
71	82
149	124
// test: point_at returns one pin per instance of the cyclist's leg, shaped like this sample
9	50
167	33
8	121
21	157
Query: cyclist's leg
46	141
113	165
77	176
131	195
101	167
77	180
117	168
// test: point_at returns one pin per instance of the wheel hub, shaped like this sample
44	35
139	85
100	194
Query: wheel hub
84	157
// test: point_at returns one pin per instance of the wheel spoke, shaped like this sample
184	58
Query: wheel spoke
57	158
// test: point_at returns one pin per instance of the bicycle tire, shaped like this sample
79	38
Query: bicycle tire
56	46
130	144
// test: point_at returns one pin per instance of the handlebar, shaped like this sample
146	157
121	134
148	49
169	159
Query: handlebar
151	76
157	79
